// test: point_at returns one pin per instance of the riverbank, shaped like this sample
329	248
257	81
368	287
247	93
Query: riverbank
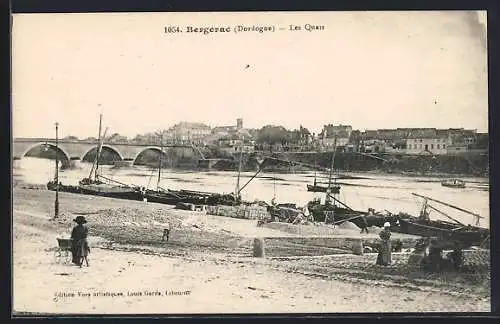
206	267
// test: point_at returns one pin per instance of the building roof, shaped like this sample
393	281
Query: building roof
224	129
336	128
421	133
184	124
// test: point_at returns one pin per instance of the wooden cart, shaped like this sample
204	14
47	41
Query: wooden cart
62	253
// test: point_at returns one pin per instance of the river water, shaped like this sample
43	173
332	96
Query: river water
381	192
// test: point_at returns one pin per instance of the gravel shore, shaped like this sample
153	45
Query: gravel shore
206	267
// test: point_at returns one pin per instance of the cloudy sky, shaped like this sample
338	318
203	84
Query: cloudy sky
367	69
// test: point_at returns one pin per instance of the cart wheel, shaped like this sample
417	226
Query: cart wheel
67	257
56	256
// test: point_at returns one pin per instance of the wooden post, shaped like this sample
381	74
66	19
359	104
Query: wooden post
259	249
56	203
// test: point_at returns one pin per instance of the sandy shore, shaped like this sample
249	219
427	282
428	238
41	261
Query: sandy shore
204	270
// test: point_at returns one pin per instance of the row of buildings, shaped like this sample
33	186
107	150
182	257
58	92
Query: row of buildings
232	138
236	138
405	140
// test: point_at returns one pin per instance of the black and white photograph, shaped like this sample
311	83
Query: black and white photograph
250	162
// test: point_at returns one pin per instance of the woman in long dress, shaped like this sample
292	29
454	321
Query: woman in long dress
384	255
79	245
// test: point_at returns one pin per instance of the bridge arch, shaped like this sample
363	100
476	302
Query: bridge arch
104	146
52	145
152	148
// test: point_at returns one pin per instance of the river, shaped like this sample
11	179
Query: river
378	191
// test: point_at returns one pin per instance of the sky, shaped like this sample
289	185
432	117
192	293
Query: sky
366	69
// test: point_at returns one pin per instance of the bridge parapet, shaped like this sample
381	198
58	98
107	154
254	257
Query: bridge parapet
95	142
77	150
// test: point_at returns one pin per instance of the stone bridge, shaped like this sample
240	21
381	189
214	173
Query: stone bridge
78	150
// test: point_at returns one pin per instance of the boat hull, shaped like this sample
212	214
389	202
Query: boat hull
453	184
442	230
174	197
316	188
63	188
162	198
330	213
112	192
99	190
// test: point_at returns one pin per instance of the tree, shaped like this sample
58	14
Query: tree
150	138
271	134
117	138
71	138
295	136
161	136
138	139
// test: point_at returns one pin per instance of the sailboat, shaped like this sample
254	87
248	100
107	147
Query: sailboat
93	185
452	230
319	188
330	211
162	196
334	211
185	197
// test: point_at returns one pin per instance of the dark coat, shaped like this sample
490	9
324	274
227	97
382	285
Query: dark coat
384	256
79	245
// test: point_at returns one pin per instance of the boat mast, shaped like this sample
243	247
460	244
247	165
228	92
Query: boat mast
253	177
99	150
477	216
159	162
100	145
328	191
237	189
314	170
95	165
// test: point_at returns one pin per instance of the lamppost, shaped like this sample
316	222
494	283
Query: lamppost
56	204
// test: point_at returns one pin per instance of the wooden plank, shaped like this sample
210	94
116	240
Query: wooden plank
449	205
444	214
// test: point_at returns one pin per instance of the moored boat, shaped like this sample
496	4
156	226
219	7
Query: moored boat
173	197
453	183
334	211
176	197
335	189
465	235
52	185
317	188
92	185
162	197
112	189
99	188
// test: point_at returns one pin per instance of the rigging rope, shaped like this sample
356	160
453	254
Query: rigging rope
274	185
150	177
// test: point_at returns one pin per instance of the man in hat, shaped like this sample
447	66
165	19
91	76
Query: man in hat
79	245
384	255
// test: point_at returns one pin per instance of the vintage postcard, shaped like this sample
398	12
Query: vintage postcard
284	162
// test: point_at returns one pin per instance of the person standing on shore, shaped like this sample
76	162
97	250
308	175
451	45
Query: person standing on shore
384	255
79	245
